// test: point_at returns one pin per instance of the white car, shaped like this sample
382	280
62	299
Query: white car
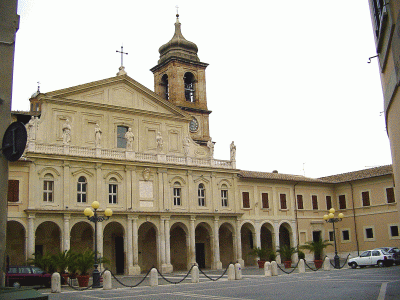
370	258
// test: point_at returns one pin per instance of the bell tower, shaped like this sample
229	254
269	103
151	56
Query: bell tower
180	78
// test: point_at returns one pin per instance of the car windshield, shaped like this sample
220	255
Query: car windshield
384	252
37	270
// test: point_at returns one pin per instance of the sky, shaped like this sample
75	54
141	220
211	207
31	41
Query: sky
287	81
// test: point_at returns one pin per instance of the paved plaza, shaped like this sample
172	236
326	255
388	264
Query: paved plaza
364	284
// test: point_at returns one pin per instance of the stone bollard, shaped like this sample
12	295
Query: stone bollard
238	271
195	274
56	283
274	268
153	277
327	264
107	285
231	272
302	266
267	269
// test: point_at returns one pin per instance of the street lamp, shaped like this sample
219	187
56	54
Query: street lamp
330	218
93	217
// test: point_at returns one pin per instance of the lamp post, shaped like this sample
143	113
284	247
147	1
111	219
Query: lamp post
330	218
93	217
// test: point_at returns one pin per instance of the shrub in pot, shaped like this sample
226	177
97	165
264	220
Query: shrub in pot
286	253
317	247
262	255
84	261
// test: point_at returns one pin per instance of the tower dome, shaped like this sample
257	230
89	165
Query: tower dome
178	47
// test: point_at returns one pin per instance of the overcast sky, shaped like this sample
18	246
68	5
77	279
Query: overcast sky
288	81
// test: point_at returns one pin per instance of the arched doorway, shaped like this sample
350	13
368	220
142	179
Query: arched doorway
81	237
284	235
113	246
178	246
203	245
267	236
247	233
226	244
147	235
48	238
15	247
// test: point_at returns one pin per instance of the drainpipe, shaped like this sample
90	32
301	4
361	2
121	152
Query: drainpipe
354	218
295	213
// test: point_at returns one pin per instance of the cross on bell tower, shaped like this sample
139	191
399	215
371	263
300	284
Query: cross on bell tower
122	68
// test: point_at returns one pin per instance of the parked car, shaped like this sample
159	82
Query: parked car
27	275
395	253
377	257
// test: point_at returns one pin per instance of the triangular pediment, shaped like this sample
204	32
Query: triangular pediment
119	92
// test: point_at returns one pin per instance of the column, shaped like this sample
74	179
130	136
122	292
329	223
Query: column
239	243
135	244
276	233
258	234
192	233
66	236
162	244
217	265
129	245
98	191
167	246
128	186
31	236
66	185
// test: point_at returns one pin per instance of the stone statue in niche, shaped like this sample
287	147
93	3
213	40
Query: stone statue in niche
129	139
159	140
66	132
210	146
31	128
186	146
233	152
97	135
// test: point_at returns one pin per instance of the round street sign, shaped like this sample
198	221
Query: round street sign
14	141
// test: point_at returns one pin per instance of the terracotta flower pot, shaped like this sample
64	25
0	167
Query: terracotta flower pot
261	263
83	280
318	263
65	277
287	264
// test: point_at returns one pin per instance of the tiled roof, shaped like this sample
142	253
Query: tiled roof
277	176
358	175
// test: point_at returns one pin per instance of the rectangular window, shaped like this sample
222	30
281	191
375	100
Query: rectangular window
202	196
345	235
390	195
177	196
81	192
48	189
282	198
13	191
121	140
378	9
328	202
331	237
316	235
342	202
300	202
314	199
224	198
112	193
365	198
394	231
265	202
246	199
369	233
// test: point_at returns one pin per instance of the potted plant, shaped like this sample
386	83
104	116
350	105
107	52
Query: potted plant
61	263
286	253
301	254
262	255
84	261
72	264
317	247
271	255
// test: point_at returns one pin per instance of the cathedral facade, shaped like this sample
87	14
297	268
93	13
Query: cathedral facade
149	157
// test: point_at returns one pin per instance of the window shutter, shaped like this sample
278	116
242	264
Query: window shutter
300	202
283	201
246	199
365	198
13	191
264	197
390	195
314	201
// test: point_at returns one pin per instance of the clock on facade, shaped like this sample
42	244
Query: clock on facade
194	125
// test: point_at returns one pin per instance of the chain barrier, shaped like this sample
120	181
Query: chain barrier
175	282
131	286
340	267
212	279
316	269
289	271
77	288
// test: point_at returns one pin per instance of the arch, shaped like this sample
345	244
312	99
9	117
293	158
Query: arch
48	238
114	246
203	242
189	82
82	172
247	234
285	235
224	181
15	246
50	170
179	241
177	179
113	174
165	84
226	244
81	237
267	236
147	244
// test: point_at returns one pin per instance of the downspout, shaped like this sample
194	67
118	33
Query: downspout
295	213
354	217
